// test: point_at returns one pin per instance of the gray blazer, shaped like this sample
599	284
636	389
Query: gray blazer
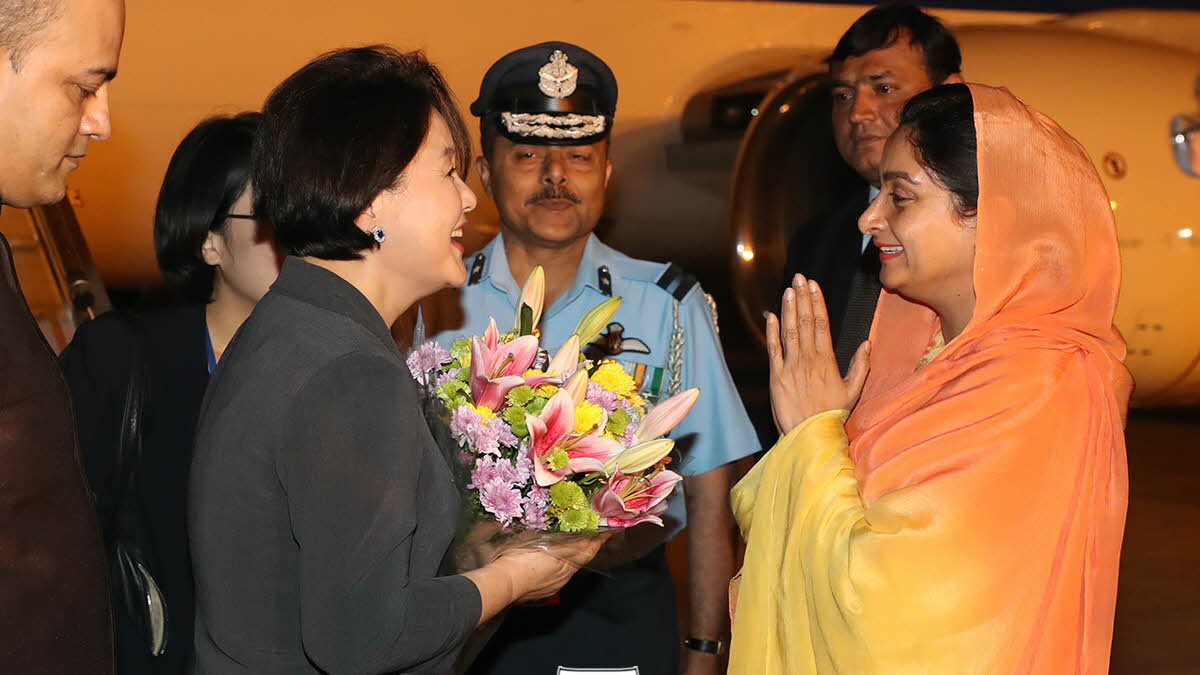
320	509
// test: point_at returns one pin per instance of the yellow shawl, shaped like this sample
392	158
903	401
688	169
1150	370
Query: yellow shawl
968	517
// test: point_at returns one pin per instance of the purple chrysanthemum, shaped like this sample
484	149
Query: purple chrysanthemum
489	469
447	376
524	465
463	423
602	397
536	503
483	436
504	434
501	500
428	357
628	439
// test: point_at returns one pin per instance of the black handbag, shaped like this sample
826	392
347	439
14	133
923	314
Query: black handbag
129	553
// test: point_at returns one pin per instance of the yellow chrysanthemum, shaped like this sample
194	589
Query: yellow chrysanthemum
546	390
587	416
484	412
611	376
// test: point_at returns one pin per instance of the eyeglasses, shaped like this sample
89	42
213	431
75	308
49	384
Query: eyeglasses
242	216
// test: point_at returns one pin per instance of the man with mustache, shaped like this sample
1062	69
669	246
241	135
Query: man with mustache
546	114
56	59
889	55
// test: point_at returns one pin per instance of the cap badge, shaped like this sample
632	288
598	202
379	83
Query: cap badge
557	79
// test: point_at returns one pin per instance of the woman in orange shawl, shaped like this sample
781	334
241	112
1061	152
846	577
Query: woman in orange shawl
968	516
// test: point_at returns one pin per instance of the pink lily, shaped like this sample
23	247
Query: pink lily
498	368
553	433
566	360
576	386
629	500
666	416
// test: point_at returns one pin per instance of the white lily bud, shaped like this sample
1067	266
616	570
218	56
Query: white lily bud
640	457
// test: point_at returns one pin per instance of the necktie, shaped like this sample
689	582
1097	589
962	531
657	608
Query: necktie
860	308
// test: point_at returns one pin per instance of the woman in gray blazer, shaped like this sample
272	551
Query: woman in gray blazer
320	509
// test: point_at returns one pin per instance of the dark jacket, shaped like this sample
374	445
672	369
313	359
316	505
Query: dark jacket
828	248
321	510
97	364
54	611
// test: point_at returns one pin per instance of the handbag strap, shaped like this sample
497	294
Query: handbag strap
129	445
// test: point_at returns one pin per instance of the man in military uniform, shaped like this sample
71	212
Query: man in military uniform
546	113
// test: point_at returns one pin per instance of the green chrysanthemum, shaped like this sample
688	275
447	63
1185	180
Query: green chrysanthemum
460	351
454	393
536	406
618	422
567	495
520	396
578	519
515	416
557	460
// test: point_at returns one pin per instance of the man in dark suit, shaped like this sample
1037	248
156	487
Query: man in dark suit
56	58
888	55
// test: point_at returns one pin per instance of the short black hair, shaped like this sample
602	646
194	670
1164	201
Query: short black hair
883	25
940	124
207	174
336	134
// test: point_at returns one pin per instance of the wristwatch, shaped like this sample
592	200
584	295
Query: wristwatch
706	646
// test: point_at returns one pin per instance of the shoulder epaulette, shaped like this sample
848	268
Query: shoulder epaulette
676	282
476	269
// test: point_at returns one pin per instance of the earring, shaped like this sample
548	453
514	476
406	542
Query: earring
378	233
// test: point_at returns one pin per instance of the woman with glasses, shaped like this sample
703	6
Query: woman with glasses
218	261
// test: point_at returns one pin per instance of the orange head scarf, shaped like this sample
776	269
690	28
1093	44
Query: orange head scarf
1017	425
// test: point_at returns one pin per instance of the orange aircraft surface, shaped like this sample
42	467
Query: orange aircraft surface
721	141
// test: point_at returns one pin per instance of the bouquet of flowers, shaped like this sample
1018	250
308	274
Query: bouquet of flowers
549	443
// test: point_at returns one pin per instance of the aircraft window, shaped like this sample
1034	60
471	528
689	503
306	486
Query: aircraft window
1185	137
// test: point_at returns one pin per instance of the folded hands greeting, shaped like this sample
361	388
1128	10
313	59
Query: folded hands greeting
804	373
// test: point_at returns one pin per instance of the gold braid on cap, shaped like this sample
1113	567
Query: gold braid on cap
543	125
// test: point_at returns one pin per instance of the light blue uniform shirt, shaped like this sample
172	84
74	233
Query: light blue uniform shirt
717	430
